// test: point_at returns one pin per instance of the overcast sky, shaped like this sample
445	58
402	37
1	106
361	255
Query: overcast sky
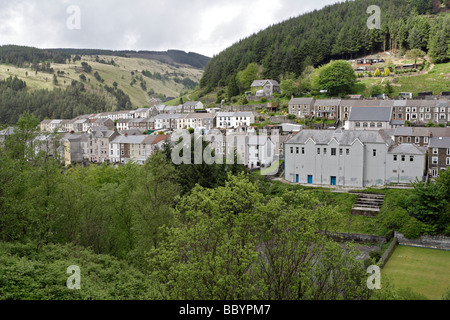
203	26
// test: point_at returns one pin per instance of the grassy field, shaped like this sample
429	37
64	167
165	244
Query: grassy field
437	80
425	271
121	73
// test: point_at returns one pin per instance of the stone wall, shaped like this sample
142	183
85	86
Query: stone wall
387	254
433	242
358	238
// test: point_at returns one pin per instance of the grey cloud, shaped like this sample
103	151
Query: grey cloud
136	25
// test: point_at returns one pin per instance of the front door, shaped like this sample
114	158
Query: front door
297	178
333	181
310	179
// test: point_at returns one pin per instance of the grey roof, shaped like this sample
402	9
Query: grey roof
420	103
102	133
324	137
127	139
191	103
422	132
262	83
439	142
257	140
399	103
301	101
370	114
165	116
327	102
398	122
408	148
201	116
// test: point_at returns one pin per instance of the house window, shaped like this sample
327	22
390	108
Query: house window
448	151
292	150
333	151
411	158
297	150
358	124
372	124
324	151
395	157
318	150
425	140
448	161
348	152
303	150
417	140
434	160
435	150
341	152
374	152
365	124
403	158
379	125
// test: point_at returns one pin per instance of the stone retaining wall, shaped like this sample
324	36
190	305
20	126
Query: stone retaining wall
358	238
433	242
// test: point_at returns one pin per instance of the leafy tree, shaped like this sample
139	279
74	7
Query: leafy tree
376	90
388	89
377	73
247	76
229	243
289	87
415	54
338	77
428	202
233	88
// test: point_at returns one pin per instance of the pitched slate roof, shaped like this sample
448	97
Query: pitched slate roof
408	148
439	142
370	114
301	101
324	137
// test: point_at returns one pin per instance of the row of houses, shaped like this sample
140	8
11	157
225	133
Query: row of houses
355	158
106	146
414	111
163	121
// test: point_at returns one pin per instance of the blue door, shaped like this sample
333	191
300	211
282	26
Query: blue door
333	181
297	178
310	179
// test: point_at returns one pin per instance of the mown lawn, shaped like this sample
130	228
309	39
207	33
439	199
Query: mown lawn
424	271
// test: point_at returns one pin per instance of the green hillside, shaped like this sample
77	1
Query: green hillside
121	73
336	32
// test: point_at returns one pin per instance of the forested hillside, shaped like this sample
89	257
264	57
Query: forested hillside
66	83
172	57
337	31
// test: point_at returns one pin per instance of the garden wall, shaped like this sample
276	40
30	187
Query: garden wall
433	242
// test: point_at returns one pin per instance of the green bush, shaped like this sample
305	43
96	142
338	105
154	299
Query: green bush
396	219
376	255
412	229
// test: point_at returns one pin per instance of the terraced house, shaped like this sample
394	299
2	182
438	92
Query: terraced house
301	107
351	159
438	155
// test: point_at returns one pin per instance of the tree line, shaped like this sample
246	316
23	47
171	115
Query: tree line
22	56
67	103
337	31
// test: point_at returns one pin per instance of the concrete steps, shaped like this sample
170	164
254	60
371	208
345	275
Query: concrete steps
368	204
